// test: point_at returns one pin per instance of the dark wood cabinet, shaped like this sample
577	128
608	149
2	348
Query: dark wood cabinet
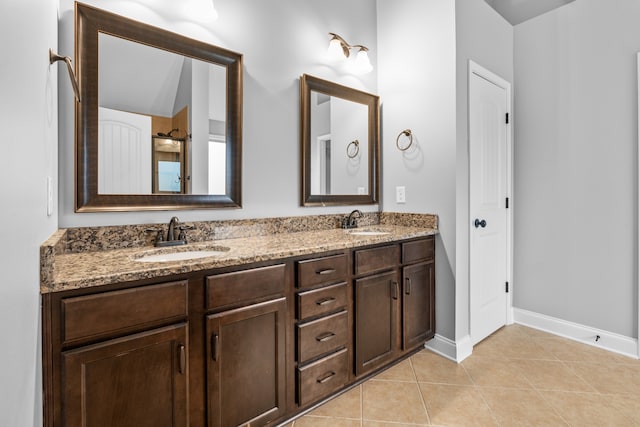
323	337
418	296
376	317
250	345
418	317
394	310
135	381
246	365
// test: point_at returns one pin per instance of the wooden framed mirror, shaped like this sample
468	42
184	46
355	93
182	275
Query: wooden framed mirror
340	138
138	83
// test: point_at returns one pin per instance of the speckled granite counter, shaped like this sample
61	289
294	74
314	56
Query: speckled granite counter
64	269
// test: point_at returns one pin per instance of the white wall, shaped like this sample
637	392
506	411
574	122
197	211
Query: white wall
28	118
485	37
280	40
575	164
416	38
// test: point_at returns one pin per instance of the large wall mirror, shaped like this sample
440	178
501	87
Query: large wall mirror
340	133
159	125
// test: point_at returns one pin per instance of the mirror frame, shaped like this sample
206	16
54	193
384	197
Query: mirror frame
90	21
309	83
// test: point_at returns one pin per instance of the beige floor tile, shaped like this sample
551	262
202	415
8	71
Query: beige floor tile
517	347
403	371
347	405
432	368
588	409
487	371
627	405
514	407
609	378
393	401
572	351
453	405
552	375
311	421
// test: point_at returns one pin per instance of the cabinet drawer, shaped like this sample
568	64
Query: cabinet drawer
418	250
323	300
322	336
320	378
97	315
321	270
246	285
376	259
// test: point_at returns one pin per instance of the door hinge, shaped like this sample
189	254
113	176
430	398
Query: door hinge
506	202
506	287
506	118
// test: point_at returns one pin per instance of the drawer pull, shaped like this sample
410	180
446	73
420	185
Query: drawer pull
326	378
326	271
325	337
182	357
214	346
407	289
325	301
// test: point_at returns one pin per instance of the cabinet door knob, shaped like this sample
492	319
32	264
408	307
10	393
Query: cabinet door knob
407	289
214	346
325	337
394	289
325	301
182	356
326	378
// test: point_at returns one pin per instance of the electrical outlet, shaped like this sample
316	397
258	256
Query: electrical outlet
400	195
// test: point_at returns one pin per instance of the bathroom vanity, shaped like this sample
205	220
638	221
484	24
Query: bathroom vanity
256	334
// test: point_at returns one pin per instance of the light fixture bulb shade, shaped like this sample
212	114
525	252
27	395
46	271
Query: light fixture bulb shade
201	10
335	51
362	64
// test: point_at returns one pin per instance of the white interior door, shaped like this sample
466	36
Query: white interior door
124	152
489	100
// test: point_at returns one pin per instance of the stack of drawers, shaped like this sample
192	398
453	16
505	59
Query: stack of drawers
322	329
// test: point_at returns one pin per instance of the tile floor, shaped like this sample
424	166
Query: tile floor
516	377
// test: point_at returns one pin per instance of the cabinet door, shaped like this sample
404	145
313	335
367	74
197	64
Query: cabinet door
376	320
135	381
246	364
418	314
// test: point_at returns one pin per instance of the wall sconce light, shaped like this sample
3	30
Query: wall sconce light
339	49
201	10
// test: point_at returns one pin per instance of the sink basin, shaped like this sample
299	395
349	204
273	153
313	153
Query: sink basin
368	232
180	253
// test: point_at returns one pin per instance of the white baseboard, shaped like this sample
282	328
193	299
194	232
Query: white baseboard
445	347
585	334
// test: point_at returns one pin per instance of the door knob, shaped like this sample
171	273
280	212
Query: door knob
480	223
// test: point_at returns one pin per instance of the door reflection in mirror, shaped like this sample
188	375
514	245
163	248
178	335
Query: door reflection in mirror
173	95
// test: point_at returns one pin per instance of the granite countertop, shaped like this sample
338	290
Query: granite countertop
94	268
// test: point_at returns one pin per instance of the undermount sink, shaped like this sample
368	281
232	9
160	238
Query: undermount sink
180	253
368	232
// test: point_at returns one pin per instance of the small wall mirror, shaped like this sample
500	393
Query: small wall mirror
160	122
339	144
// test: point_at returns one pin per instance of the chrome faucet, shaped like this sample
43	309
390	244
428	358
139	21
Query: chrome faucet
351	221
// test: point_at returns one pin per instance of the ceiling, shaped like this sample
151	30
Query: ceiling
517	11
